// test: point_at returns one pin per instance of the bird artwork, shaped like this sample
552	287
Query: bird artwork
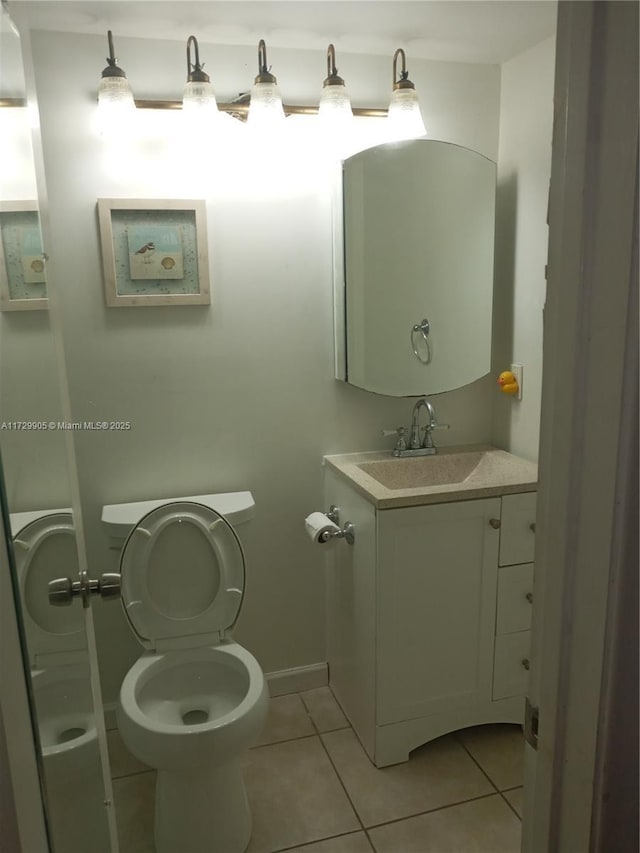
508	382
146	251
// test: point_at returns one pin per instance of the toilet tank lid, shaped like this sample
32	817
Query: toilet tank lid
119	519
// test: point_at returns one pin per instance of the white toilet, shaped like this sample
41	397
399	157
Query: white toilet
45	548
195	700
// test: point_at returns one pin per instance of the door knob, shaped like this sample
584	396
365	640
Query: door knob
495	523
62	591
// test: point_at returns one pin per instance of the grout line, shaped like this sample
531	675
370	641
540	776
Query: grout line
335	770
134	773
286	740
463	745
477	763
405	817
511	806
431	811
344	787
317	841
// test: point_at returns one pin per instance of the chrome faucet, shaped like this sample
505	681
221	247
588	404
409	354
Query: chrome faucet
426	447
414	440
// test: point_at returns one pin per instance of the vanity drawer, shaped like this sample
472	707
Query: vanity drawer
517	530
510	665
515	598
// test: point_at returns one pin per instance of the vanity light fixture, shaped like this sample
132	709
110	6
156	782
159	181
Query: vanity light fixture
262	106
404	110
114	93
265	108
335	105
198	96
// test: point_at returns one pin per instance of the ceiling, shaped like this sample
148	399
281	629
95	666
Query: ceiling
485	31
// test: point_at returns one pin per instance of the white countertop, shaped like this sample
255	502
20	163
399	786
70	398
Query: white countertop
497	473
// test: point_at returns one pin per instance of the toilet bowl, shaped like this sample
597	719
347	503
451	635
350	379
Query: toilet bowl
195	700
45	548
66	722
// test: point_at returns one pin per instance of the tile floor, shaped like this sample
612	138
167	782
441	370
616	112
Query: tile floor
312	789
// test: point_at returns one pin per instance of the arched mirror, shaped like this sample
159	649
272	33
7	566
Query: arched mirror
417	243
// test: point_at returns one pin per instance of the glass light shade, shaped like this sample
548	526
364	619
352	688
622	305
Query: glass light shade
405	118
115	93
335	106
199	96
266	105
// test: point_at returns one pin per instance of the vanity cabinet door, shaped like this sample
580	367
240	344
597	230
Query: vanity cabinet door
437	578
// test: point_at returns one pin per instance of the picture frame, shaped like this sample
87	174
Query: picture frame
23	285
154	252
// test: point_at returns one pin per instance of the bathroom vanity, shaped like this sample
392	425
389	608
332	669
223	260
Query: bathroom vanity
429	610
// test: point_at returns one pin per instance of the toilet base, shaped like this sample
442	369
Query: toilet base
204	810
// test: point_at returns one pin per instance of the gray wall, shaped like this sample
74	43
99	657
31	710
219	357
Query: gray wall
524	170
240	395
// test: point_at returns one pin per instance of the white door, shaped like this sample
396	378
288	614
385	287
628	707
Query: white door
589	409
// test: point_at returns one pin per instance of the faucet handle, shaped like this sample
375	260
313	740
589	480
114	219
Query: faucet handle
427	441
401	443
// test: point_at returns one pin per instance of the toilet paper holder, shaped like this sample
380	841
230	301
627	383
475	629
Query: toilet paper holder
347	532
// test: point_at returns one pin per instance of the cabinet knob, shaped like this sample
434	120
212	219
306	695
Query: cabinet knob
495	523
529	597
526	663
532	527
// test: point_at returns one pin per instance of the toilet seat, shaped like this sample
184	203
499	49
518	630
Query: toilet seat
183	573
45	549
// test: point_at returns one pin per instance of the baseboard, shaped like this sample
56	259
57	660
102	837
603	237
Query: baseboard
109	710
297	679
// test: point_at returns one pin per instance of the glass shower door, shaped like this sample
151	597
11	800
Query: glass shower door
42	524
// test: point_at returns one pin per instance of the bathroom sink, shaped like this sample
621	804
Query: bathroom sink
460	472
411	472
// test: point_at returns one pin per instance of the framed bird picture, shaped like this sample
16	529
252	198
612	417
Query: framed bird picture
23	285
154	252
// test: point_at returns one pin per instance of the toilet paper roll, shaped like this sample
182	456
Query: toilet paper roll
316	524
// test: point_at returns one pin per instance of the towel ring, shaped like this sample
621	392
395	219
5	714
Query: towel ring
423	328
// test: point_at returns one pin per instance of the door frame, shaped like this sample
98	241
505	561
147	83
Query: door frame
17	717
587	469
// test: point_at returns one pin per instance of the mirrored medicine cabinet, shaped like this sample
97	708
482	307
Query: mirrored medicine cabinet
414	244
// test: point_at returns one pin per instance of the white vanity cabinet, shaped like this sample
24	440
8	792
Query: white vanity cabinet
428	616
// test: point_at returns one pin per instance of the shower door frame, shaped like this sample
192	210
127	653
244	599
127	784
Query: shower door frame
17	715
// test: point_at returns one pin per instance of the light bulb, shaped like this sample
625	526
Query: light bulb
266	105
265	108
405	118
334	109
198	99
114	93
115	98
199	96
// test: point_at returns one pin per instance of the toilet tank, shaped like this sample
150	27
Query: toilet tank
120	519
